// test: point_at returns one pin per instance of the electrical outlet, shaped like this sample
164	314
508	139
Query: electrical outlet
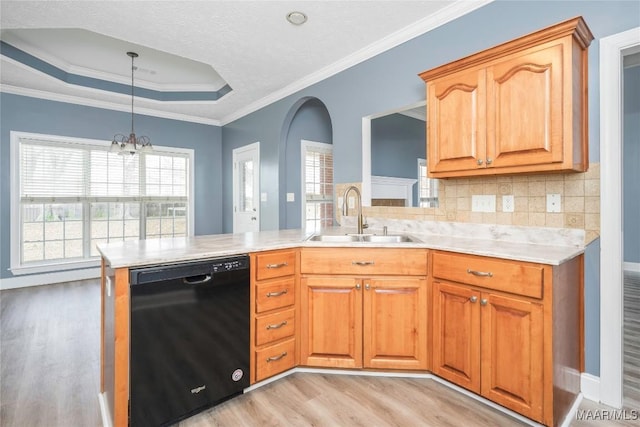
507	203
263	197
483	203
554	203
352	202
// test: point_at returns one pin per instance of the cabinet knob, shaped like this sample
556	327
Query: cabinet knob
483	301
367	286
358	286
473	298
489	161
479	162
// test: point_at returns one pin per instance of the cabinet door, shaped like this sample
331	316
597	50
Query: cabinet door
524	109
331	323
456	130
395	323
456	334
512	353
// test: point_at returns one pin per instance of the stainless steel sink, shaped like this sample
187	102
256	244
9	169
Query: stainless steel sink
390	238
334	238
365	238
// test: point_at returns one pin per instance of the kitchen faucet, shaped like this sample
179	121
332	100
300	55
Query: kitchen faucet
345	207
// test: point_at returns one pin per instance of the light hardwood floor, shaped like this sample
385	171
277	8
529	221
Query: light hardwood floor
49	376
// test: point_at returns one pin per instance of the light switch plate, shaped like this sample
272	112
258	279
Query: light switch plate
291	197
483	203
263	197
554	203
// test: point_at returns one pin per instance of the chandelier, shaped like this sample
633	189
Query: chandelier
123	144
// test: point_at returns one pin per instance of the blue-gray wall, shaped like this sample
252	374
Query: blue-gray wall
390	81
397	141
312	123
630	165
25	114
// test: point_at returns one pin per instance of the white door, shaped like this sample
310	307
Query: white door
246	188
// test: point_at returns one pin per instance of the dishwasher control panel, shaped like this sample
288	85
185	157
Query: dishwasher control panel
229	264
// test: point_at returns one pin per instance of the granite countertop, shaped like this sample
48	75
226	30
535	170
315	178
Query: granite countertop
539	245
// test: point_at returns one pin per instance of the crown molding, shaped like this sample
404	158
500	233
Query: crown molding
445	15
90	102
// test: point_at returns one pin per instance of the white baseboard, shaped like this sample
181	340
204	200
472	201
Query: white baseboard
590	386
631	266
48	278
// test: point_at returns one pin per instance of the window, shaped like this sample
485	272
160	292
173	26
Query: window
427	187
317	180
70	194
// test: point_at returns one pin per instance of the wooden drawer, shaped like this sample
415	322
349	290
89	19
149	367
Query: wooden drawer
272	327
364	261
275	359
275	264
509	276
275	294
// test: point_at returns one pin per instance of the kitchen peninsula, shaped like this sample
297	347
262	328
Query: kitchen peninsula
512	303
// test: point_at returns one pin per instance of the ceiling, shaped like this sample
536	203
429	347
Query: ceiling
203	61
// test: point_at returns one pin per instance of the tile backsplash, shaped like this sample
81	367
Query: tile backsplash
579	199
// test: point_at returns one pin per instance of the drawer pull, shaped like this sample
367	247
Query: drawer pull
276	358
277	326
276	294
480	273
362	263
282	264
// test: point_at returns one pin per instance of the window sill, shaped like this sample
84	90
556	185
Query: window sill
54	267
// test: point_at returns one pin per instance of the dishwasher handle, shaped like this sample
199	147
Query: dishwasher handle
197	280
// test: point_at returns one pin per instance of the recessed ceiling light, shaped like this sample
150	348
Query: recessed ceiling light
296	18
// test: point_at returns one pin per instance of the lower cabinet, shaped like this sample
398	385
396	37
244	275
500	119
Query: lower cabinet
273	313
353	321
491	344
331	329
509	331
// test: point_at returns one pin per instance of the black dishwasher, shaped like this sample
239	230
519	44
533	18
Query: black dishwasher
189	338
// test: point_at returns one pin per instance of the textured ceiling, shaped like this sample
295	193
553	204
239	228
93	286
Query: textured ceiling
200	45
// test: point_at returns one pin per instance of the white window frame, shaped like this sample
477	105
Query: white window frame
15	212
433	184
304	146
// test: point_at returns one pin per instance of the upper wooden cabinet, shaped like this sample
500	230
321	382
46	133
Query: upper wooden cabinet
519	107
